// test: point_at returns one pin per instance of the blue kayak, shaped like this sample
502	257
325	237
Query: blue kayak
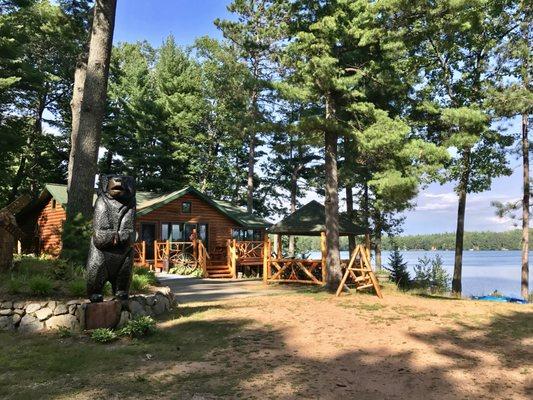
500	299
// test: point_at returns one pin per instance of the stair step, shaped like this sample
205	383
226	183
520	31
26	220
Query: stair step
219	276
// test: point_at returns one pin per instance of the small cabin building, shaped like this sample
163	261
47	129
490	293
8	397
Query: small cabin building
182	216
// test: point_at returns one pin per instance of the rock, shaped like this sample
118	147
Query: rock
6	312
67	321
73	302
72	309
29	324
16	318
44	313
19	304
150	300
160	306
51	305
137	309
6	304
32	307
61	309
19	311
125	316
6	323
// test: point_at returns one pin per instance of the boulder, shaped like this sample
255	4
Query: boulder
137	309
29	324
7	304
16	318
44	313
32	307
65	320
19	304
6	311
61	309
6	323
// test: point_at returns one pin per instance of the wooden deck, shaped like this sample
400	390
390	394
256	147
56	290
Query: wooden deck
225	262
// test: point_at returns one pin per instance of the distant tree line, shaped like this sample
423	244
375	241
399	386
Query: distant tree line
484	240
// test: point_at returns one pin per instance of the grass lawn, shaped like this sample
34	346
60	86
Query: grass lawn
298	344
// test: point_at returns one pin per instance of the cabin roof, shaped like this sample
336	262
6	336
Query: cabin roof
150	201
310	220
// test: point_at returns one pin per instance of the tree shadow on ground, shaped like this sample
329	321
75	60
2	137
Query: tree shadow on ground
204	355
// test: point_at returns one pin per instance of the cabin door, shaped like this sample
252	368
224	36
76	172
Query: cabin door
148	236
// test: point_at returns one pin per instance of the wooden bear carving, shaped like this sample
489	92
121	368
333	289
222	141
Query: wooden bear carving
111	250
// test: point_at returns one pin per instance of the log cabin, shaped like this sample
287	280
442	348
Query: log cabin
170	227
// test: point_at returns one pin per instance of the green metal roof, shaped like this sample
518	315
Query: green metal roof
149	201
310	220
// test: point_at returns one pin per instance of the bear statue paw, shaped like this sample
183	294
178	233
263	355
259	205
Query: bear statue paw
96	298
122	295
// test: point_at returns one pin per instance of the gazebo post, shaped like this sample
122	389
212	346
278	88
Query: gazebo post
278	246
323	250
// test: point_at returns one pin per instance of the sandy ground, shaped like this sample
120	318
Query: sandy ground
291	343
402	347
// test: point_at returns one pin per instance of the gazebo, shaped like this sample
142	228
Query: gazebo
310	220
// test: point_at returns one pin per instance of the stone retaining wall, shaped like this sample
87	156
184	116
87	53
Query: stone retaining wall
36	316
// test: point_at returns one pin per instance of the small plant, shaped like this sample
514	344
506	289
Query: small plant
104	335
139	283
398	270
64	332
186	270
430	274
77	288
40	285
15	285
139	327
150	275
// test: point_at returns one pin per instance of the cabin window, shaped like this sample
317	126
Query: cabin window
186	207
172	231
246	234
54	204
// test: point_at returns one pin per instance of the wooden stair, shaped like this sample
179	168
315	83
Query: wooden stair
218	270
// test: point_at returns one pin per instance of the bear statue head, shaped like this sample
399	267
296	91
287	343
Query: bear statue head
118	187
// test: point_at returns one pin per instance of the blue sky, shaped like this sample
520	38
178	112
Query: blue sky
154	20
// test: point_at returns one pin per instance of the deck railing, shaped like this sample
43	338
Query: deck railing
139	253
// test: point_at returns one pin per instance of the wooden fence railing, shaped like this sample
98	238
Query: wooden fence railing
139	253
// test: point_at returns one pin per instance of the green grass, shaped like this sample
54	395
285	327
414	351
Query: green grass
45	277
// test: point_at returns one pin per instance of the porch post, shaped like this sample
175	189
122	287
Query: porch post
323	250
278	247
265	258
143	256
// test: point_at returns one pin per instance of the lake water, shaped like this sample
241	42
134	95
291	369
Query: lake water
483	271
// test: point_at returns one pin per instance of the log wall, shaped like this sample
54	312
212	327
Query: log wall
50	222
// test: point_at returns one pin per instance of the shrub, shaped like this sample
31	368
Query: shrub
40	285
139	283
15	285
64	332
430	274
76	238
139	327
150	275
185	270
77	288
398	270
104	335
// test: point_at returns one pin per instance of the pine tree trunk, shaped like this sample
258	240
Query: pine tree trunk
75	107
525	208
85	156
349	192
377	242
250	183
333	263
294	189
459	234
349	210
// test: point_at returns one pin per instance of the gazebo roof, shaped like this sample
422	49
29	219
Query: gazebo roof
310	220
